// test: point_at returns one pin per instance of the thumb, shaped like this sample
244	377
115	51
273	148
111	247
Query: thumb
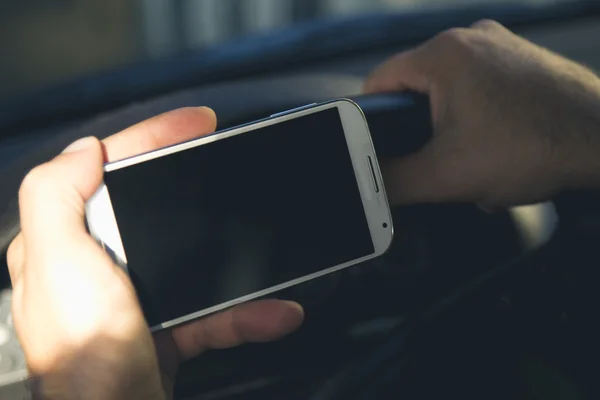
52	196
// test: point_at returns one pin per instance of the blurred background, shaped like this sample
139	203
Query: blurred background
113	63
52	41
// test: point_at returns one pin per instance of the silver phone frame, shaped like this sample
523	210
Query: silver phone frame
103	226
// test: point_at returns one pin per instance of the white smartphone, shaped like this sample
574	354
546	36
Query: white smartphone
216	221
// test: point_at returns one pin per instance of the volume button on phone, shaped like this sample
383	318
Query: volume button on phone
293	110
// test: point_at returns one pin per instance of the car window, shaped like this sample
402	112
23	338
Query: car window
50	41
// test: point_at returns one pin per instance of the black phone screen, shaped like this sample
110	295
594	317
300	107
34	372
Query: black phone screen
226	219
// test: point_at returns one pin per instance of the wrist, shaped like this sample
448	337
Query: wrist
583	168
588	163
92	376
79	387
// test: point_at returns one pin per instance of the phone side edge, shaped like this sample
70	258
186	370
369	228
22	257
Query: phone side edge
258	294
102	225
368	174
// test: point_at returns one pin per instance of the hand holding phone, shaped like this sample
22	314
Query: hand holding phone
213	222
76	313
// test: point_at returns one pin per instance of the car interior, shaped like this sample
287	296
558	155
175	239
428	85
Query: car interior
466	303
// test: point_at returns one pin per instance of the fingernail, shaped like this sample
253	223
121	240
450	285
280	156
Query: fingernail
295	305
79	145
206	110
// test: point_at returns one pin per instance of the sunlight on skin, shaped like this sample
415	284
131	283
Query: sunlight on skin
72	305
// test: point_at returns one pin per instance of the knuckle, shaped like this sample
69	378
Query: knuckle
12	254
453	36
34	181
454	46
486	24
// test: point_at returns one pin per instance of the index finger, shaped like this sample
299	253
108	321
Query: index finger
404	71
162	130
